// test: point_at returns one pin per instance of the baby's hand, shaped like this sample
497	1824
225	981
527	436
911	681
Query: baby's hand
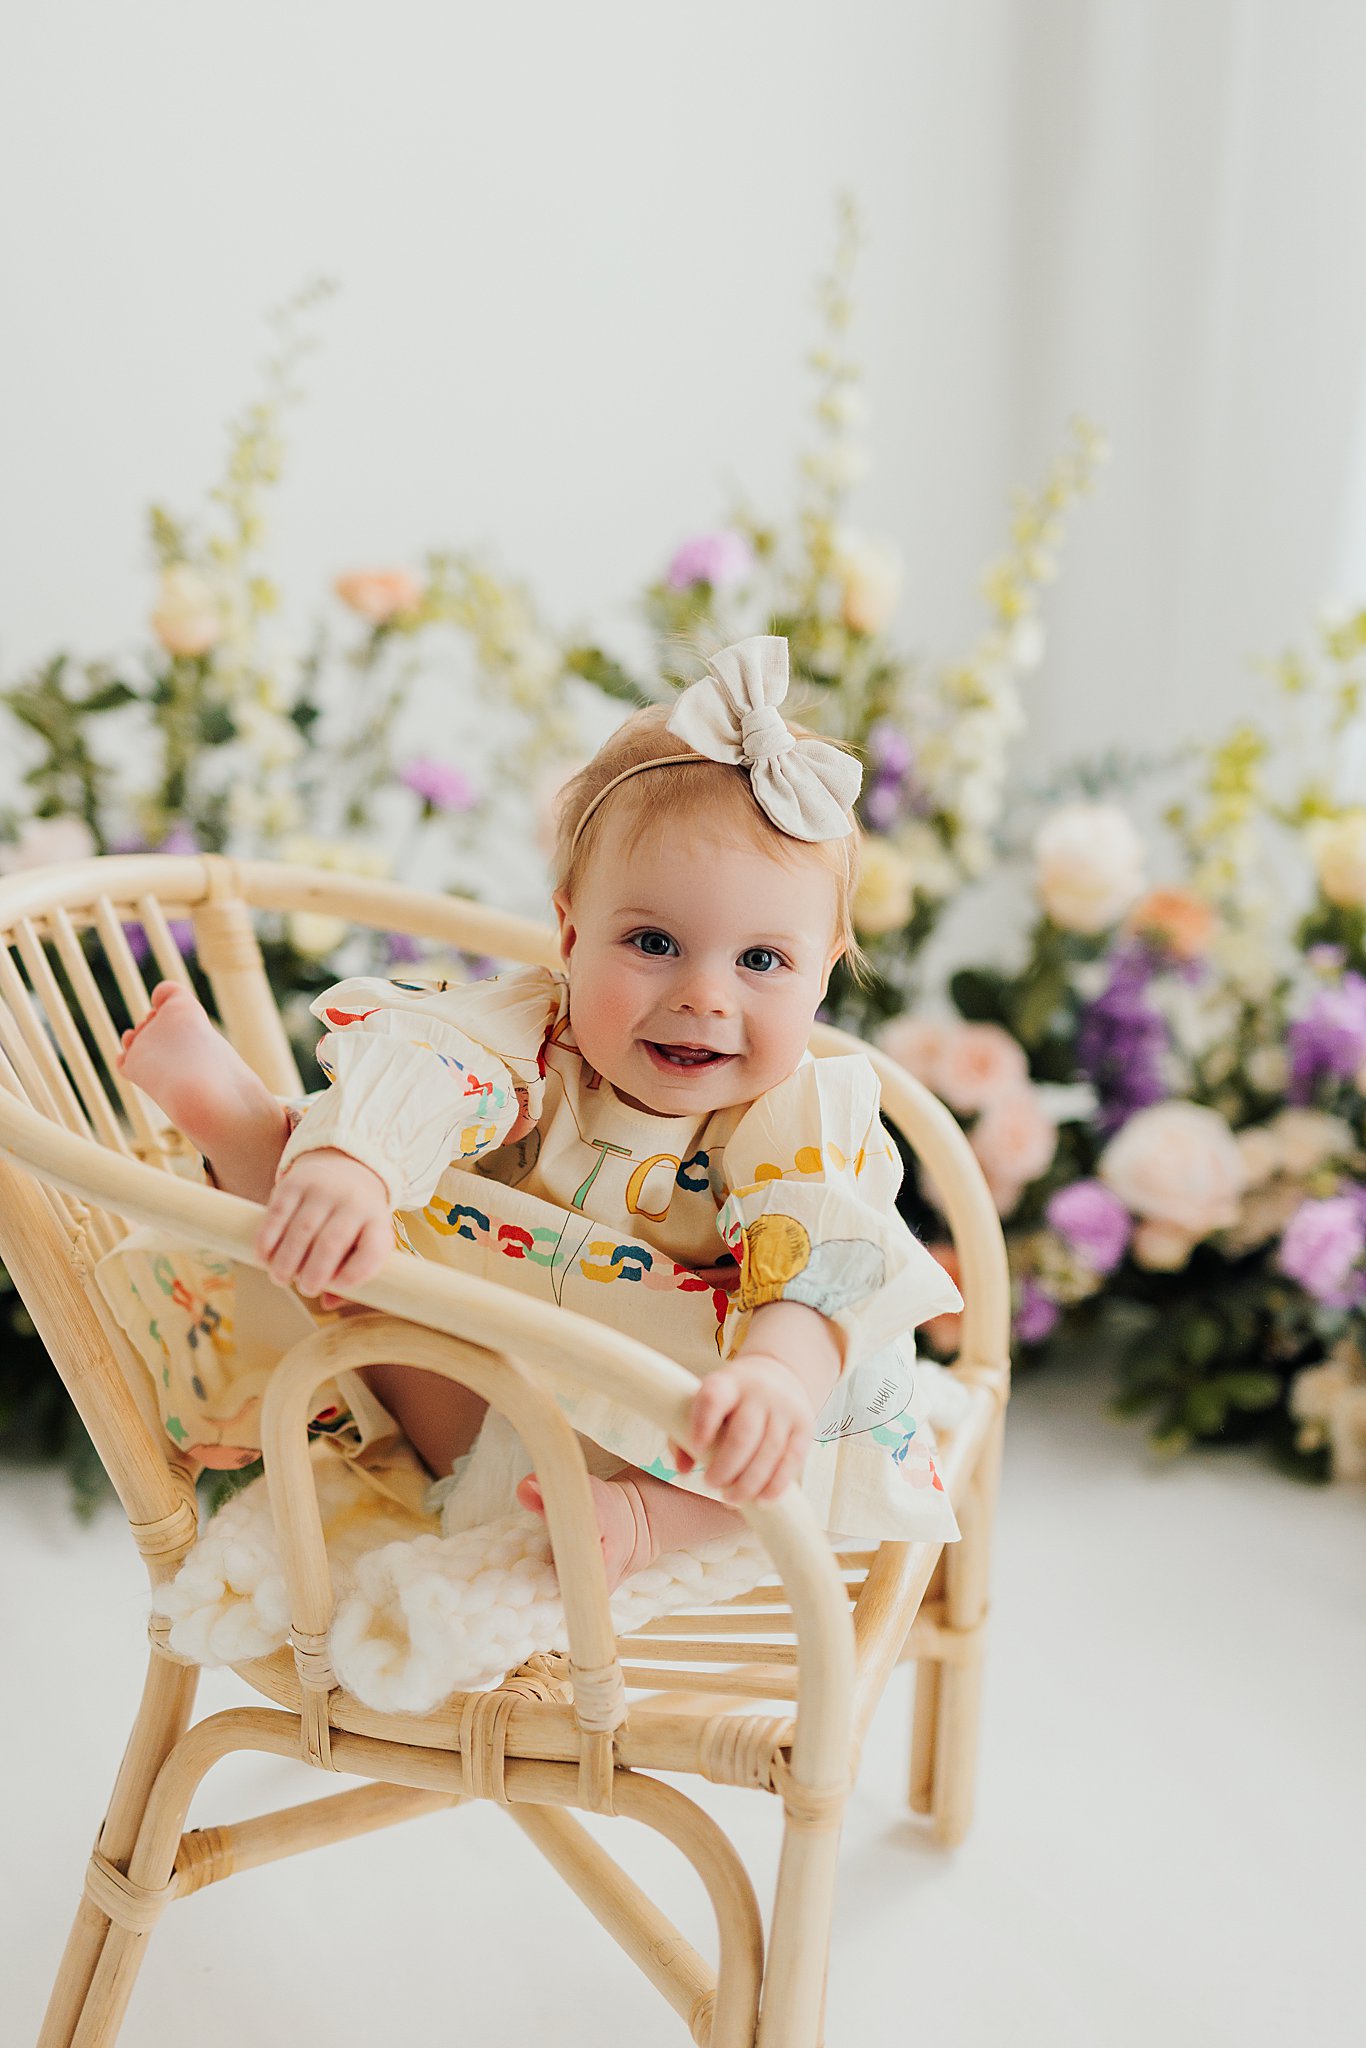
760	1418
327	1224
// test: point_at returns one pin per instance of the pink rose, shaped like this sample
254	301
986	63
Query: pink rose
379	594
918	1044
978	1063
1015	1141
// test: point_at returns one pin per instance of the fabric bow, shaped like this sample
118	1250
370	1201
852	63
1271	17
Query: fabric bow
806	786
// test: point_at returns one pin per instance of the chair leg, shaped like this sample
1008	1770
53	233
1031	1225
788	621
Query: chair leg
76	2014
948	1693
792	2014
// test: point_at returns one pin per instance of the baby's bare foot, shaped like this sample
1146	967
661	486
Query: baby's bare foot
178	1057
623	1525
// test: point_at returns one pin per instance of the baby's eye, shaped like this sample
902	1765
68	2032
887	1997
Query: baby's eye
760	959
655	945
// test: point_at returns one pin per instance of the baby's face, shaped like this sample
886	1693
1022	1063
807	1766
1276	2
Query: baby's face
695	972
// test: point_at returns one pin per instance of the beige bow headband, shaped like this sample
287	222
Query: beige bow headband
806	787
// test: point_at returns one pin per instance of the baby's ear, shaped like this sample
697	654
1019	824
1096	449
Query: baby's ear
564	918
837	954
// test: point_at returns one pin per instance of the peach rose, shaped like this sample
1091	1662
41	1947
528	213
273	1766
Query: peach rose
379	594
978	1063
187	619
918	1044
1179	918
1088	866
1015	1140
1162	1247
870	583
1177	1163
1307	1139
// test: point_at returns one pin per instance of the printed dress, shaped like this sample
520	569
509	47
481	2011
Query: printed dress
506	1155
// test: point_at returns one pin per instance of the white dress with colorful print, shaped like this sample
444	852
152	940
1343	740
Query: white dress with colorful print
507	1156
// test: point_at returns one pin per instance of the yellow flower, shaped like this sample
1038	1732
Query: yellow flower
882	902
1340	858
314	933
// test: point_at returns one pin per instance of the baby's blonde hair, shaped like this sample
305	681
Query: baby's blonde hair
717	790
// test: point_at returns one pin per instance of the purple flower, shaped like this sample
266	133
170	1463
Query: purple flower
891	749
440	784
1094	1222
1330	1039
1037	1315
401	949
883	803
720	559
1122	1041
180	839
1322	1247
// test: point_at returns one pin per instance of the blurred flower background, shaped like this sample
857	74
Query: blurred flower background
1161	1068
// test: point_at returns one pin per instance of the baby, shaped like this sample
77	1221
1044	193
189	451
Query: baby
643	1137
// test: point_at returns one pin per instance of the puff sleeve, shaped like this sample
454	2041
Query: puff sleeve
811	1178
426	1075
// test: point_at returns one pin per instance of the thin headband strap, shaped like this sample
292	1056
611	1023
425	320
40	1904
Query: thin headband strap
664	761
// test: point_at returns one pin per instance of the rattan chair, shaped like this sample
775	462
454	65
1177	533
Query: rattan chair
772	1691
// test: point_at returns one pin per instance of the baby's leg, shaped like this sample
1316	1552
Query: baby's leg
188	1068
176	1056
641	1517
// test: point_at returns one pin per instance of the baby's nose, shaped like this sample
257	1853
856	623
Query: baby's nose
700	994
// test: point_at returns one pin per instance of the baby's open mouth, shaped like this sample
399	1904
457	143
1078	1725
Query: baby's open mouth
685	1056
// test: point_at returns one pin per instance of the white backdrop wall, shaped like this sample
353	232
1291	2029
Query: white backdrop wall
576	247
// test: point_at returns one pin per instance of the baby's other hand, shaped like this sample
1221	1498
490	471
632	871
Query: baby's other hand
759	1417
327	1224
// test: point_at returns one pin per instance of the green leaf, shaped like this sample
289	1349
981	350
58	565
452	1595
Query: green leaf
1251	1389
980	996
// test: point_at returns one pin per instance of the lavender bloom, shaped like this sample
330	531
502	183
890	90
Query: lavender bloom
891	749
1037	1315
180	839
1122	1041
1093	1221
1330	1039
883	803
720	559
440	784
1321	1250
401	949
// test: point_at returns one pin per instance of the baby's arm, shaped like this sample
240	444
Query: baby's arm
759	1410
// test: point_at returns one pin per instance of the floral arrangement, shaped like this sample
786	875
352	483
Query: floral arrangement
1168	1095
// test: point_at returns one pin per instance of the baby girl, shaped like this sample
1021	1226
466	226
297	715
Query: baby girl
643	1137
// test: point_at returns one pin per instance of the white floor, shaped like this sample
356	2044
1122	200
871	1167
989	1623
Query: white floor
1168	1851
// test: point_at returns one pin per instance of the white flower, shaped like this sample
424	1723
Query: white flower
1177	1163
932	870
869	573
1027	644
46	842
1268	1068
1339	850
1088	866
188	618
